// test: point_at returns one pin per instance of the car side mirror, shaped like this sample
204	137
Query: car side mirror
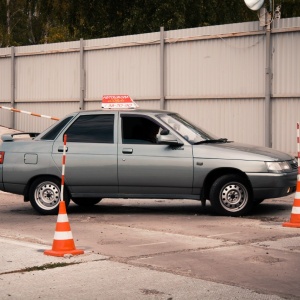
164	132
169	139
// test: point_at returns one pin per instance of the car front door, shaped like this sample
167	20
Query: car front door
147	168
91	157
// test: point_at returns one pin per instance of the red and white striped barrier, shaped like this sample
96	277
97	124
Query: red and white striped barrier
295	214
298	146
63	169
29	113
63	242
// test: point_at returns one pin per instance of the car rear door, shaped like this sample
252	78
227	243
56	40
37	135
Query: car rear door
91	157
151	169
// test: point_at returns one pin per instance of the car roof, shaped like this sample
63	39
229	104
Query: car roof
123	110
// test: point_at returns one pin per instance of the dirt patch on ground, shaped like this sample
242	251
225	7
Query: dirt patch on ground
267	259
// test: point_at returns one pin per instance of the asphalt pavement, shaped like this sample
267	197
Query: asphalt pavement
27	273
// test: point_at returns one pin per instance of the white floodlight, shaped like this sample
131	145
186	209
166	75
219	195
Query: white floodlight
254	4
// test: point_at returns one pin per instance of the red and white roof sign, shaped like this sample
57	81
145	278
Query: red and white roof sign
118	101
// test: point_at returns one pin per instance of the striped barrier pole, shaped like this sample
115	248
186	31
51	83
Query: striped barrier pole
29	113
298	143
63	241
63	169
295	214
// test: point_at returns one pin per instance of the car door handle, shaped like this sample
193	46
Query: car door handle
61	149
127	151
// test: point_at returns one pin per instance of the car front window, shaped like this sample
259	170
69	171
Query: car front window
139	130
187	130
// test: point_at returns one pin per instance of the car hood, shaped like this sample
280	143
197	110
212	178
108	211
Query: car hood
238	151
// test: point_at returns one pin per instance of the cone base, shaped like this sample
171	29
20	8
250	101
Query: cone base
62	253
289	224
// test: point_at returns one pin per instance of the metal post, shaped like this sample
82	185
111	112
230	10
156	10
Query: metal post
162	73
268	85
12	86
82	77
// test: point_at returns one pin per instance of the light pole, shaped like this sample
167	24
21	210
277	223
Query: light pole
266	19
268	83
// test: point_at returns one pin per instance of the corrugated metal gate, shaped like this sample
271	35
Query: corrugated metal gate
214	76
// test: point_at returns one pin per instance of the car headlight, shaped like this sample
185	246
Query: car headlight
278	166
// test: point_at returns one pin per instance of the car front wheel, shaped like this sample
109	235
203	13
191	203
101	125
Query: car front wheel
44	195
230	195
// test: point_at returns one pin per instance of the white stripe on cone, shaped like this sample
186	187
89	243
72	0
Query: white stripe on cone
296	210
61	218
297	195
63	235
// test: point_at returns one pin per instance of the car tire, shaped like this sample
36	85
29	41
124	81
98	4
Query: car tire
231	195
86	201
44	195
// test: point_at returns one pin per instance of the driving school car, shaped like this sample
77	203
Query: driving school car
137	153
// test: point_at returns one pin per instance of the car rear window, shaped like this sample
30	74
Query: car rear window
52	133
92	129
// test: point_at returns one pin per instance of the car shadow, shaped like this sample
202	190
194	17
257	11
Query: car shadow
267	211
155	207
271	212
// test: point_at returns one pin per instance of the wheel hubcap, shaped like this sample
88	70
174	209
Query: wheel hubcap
233	196
47	195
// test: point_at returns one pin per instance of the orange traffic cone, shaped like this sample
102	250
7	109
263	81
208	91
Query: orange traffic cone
295	215
63	242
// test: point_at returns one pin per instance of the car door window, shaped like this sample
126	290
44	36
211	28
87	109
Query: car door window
139	130
92	129
56	129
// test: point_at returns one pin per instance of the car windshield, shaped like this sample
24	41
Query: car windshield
188	131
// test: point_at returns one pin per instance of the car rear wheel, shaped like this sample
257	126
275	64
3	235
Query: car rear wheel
230	195
44	195
86	201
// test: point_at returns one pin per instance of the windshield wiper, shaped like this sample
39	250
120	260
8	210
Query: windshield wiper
222	140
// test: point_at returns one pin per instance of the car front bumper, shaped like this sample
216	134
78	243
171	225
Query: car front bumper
272	185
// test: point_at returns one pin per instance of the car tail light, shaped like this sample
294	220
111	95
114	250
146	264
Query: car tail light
1	157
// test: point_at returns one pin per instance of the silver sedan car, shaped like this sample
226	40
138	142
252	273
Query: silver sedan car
134	153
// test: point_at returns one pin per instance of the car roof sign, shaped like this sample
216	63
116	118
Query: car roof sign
118	101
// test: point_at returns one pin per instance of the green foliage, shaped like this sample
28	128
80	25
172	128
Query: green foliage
27	22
